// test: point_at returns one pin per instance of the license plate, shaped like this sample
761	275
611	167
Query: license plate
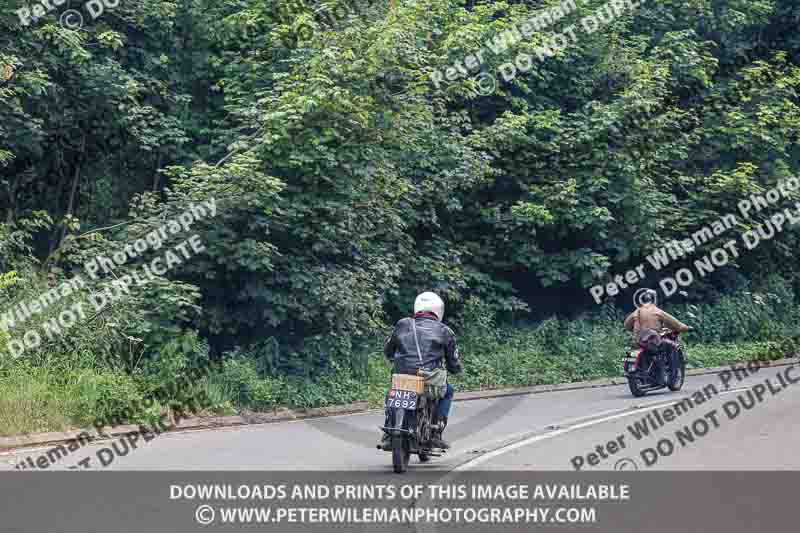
401	398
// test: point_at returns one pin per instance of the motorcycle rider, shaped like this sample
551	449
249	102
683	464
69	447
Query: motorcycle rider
645	323
437	348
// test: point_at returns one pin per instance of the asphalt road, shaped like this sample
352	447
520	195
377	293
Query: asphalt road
550	431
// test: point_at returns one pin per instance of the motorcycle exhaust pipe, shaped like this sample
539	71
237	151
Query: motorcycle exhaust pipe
651	388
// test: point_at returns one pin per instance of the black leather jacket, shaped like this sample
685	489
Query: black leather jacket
437	344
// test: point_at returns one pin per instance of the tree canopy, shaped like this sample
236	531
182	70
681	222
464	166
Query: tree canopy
348	181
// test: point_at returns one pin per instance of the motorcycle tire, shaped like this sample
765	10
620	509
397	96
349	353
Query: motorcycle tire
425	435
633	384
677	378
400	455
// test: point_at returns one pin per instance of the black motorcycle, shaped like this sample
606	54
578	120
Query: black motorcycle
411	422
640	367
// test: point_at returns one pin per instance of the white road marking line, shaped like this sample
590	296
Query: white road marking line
731	391
537	438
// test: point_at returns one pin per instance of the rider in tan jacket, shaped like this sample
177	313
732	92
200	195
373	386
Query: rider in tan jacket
646	323
649	316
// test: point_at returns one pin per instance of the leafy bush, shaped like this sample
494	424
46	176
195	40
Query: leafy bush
107	398
553	351
266	394
766	312
35	399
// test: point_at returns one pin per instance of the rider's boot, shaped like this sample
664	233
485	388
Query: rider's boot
436	438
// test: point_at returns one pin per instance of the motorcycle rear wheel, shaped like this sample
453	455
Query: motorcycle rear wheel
633	384
400	454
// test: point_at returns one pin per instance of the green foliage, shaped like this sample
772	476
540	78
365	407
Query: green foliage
105	398
30	401
554	351
759	325
347	182
35	399
768	312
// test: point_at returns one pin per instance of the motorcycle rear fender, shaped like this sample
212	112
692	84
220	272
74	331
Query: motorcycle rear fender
402	421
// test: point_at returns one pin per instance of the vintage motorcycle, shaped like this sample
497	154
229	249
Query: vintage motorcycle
643	380
411	403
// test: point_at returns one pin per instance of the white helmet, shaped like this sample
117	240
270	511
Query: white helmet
428	302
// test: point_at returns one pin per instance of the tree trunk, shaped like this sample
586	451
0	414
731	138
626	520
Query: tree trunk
72	194
54	240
